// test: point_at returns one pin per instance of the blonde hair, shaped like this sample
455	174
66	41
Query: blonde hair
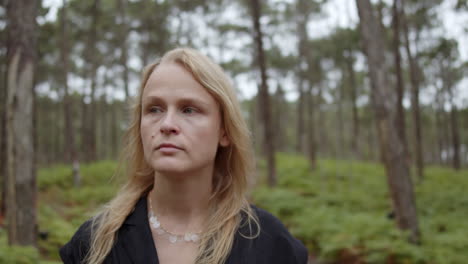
233	166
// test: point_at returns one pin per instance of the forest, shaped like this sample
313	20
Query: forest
357	110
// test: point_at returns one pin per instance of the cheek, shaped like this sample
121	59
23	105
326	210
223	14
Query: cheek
208	136
145	135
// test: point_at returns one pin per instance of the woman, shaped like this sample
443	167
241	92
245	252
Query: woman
189	157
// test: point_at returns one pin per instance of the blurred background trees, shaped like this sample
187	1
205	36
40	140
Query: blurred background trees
310	80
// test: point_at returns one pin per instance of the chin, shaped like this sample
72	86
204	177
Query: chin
168	167
166	170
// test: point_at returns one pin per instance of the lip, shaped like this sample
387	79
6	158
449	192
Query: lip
167	146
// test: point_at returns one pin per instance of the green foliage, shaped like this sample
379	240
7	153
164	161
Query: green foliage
16	254
343	206
63	208
340	208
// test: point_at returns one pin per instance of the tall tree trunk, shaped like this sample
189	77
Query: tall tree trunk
400	116
322	142
84	127
311	139
397	170
414	78
373	148
281	120
340	122
146	41
455	137
114	124
440	142
254	122
21	171
268	140
441	126
300	135
3	102
123	31
90	131
302	17
353	93
69	143
59	137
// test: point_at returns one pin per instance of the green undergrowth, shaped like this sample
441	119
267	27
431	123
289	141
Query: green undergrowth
63	207
341	208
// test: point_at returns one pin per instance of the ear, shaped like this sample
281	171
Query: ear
223	139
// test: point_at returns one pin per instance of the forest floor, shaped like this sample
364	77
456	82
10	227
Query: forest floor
341	211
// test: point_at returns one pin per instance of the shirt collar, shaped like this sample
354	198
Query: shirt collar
139	214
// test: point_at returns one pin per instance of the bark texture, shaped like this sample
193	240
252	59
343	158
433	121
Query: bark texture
89	106
69	150
415	109
264	97
383	101
400	86
20	165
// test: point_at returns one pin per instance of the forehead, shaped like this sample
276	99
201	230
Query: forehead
173	80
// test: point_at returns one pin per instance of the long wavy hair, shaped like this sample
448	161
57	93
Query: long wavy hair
234	165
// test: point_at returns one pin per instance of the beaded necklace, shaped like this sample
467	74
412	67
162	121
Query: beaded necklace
172	237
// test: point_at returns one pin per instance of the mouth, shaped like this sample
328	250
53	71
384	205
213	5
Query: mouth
167	146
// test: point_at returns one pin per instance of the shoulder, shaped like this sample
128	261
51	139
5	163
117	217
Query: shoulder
274	242
77	248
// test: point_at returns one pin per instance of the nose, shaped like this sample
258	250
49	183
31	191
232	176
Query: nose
169	124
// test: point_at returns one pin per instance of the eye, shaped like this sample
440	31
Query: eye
189	110
155	109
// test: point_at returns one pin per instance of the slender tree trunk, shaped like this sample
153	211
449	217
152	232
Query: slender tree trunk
322	142
311	129
69	143
373	148
400	117
353	94
440	125
440	143
90	131
92	148
123	31
3	102
84	127
263	94
21	171
455	142
446	137
397	170
103	144
340	122
280	122
57	133
146	42
414	78
114	131
300	117
455	137
302	18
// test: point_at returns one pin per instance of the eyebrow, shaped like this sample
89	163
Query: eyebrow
187	100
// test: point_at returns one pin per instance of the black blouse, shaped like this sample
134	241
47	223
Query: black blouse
135	243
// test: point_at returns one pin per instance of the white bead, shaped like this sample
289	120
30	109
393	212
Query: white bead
172	239
188	237
195	237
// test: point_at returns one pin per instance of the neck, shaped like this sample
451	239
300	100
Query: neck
182	201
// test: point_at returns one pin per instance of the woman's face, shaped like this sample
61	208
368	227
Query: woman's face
180	123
